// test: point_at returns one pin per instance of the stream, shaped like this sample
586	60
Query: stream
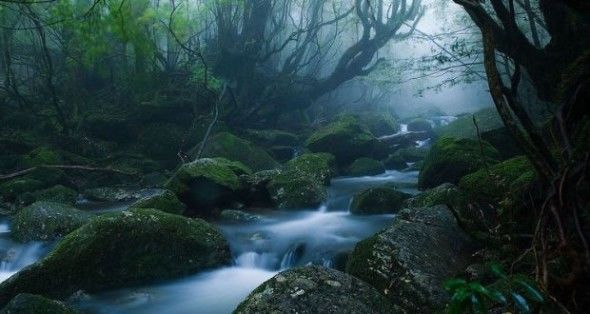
277	241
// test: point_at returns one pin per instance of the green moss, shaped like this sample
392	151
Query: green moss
501	184
420	125
357	262
43	156
122	250
346	139
58	194
450	159
377	201
162	141
296	190
46	221
366	167
445	194
229	146
207	182
165	201
272	137
487	119
12	189
321	166
25	303
411	154
395	162
380	124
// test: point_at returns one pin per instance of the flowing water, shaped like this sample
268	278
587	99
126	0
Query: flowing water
278	241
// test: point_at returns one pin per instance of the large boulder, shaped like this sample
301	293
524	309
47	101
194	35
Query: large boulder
12	189
410	261
296	190
365	167
450	159
321	166
380	124
163	200
229	146
57	194
501	184
119	250
47	221
314	289
463	127
444	194
207	183
422	126
25	303
346	139
377	201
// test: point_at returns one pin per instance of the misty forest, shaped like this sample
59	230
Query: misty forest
294	156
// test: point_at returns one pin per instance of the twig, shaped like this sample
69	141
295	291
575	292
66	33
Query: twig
64	167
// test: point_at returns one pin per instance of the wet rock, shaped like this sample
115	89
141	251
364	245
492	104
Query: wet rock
366	167
25	303
46	221
254	191
120	250
12	189
395	162
314	290
321	166
57	194
421	125
207	183
163	200
378	201
346	139
410	261
269	138
379	124
450	159
231	147
296	190
113	194
444	194
238	216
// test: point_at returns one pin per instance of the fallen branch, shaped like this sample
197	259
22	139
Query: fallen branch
63	167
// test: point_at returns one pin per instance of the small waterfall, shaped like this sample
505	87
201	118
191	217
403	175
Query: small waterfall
293	255
256	260
403	128
323	208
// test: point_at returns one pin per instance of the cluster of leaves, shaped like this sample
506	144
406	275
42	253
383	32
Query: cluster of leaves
514	292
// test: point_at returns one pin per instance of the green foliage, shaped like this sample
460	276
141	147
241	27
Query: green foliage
487	119
513	293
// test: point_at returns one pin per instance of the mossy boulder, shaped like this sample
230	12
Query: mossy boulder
411	154
207	183
296	190
163	200
444	194
234	215
346	139
231	147
378	201
503	184
12	189
25	303
269	138
57	194
395	162
321	166
423	126
314	289
487	119
45	156
47	221
365	167
254	191
113	194
503	141
380	124
410	261
450	159
121	250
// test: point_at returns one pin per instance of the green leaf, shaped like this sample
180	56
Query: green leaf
520	303
453	284
531	291
477	305
498	297
498	270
